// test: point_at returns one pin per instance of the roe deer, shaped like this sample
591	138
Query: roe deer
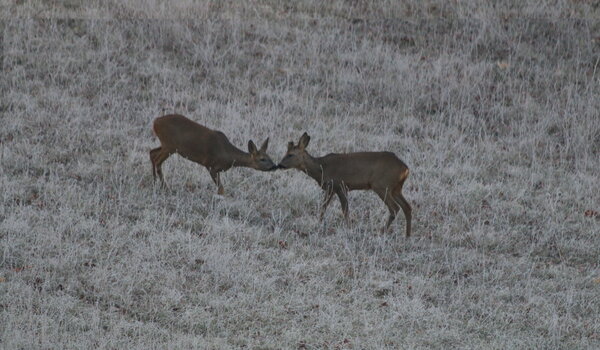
381	172
210	148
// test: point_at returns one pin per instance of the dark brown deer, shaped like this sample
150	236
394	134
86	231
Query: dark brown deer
381	172
210	148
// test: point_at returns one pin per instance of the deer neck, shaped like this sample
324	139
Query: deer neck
239	158
314	168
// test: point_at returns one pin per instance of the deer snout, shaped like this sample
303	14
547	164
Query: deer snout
283	164
264	164
271	166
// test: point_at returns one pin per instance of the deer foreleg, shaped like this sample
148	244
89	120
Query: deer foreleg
326	201
341	193
216	176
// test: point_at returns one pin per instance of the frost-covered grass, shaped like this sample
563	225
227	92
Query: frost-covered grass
494	109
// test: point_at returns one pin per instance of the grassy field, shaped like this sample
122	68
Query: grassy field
495	109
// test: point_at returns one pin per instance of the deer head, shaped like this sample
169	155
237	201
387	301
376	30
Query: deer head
296	155
260	158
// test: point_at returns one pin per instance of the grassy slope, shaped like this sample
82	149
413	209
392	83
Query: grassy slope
494	109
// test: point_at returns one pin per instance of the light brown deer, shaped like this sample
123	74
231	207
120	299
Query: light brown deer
381	172
210	148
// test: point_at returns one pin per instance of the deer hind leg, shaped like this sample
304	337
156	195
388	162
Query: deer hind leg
153	154
216	176
393	207
158	156
399	198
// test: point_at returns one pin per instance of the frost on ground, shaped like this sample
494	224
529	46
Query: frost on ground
494	109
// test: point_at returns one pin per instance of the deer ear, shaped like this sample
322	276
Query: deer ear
304	139
290	145
264	145
251	147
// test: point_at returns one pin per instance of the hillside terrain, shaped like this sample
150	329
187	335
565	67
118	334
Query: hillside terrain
495	110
